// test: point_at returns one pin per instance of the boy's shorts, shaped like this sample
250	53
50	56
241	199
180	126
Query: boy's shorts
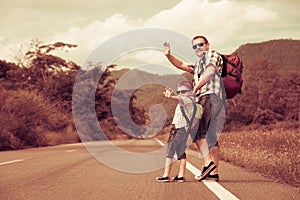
177	143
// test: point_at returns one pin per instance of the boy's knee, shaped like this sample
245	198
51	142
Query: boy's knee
183	156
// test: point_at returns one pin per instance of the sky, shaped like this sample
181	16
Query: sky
227	24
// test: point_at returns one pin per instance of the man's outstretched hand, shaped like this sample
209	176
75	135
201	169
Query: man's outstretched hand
167	48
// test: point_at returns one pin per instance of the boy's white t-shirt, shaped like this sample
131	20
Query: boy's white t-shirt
178	120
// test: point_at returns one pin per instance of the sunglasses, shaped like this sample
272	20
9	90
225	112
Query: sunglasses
198	45
182	91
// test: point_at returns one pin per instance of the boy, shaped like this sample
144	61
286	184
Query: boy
185	112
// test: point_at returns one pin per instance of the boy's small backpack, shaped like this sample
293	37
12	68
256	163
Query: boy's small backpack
232	75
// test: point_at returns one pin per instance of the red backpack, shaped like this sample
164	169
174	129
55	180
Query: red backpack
232	75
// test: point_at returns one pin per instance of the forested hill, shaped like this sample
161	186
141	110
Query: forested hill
282	53
271	82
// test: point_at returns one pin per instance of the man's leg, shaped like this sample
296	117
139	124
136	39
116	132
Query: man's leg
203	149
204	124
218	115
214	156
209	165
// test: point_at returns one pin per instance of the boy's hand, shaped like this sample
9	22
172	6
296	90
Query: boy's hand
167	48
168	92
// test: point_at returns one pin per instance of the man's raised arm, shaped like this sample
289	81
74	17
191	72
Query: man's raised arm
175	61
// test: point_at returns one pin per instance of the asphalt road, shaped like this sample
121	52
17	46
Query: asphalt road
71	172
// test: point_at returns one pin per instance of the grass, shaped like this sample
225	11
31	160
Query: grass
274	152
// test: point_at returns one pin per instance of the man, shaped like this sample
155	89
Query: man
209	93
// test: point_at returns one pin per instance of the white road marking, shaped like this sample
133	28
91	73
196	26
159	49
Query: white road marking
10	162
215	187
219	190
160	142
192	169
69	151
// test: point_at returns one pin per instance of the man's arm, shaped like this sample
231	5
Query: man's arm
175	61
207	75
213	60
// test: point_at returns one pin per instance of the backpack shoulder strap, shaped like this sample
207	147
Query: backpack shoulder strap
193	115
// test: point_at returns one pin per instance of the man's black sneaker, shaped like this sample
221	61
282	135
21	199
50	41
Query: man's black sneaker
178	179
163	179
206	171
214	177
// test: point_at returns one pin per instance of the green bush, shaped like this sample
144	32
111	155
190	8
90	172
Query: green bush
26	118
265	117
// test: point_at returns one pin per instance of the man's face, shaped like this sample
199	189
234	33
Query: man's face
199	45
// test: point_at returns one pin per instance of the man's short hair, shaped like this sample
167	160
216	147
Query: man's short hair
200	36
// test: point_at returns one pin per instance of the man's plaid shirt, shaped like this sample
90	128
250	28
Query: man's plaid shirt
213	86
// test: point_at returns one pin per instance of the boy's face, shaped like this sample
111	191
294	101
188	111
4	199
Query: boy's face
184	91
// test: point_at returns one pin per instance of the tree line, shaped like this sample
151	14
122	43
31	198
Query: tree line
36	99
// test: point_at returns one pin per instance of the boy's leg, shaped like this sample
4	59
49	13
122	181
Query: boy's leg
182	167
182	135
166	176
171	149
176	144
168	167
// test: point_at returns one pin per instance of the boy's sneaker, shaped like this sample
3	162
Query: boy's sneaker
206	171
163	179
178	179
214	177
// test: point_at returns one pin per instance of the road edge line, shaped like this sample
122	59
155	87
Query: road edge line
10	162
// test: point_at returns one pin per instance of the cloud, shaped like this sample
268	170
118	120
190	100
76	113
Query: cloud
93	34
226	23
220	21
255	14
